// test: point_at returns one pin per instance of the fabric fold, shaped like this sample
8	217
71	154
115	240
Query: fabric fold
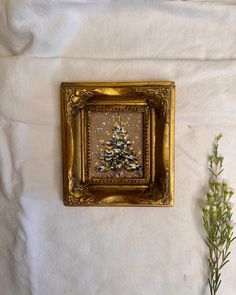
194	30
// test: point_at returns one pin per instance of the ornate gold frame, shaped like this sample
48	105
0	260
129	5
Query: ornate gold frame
156	101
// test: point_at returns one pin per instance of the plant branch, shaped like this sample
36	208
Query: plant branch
217	219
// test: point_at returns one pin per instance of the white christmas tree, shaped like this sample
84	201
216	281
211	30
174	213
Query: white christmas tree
118	153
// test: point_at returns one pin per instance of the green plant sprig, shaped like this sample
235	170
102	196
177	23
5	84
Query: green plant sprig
217	219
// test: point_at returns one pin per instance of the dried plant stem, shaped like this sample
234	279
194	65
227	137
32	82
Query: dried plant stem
217	220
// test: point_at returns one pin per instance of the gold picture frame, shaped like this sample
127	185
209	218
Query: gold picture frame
156	102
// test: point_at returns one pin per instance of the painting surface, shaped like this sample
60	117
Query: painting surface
116	144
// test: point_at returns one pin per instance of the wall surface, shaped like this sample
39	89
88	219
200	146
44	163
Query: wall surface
46	248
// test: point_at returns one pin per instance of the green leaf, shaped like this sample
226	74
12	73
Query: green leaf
218	285
219	136
232	240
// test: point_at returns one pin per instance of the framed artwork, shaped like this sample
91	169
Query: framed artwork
118	143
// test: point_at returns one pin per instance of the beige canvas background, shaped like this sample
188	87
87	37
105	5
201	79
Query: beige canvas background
46	248
102	126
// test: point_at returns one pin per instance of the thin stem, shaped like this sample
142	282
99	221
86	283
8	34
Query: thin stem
217	220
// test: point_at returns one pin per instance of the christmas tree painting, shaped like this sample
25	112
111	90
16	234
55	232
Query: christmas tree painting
117	153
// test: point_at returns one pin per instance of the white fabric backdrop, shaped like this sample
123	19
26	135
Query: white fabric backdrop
46	248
